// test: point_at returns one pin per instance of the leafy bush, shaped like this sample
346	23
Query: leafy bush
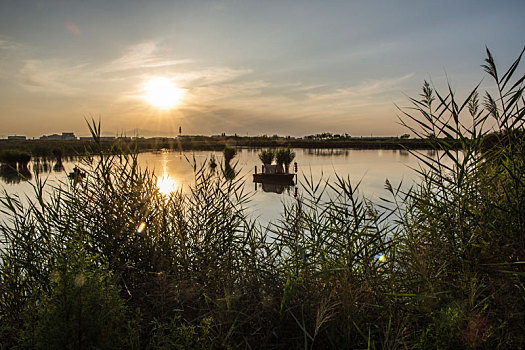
267	156
229	153
83	308
284	156
177	335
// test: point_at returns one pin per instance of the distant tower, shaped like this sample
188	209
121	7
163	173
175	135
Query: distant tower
180	130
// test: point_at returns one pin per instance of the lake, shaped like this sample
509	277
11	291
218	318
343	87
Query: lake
369	167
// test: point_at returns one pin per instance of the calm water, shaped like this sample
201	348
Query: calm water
370	167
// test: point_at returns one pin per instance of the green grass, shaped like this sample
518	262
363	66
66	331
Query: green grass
110	262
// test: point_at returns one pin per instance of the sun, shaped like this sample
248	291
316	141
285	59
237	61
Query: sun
162	93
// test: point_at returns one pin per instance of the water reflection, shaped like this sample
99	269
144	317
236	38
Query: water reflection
274	187
15	173
11	175
58	167
175	173
41	167
166	184
330	152
431	152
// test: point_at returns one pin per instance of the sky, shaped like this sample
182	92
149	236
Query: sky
246	67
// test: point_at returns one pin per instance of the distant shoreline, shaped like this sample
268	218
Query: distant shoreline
45	148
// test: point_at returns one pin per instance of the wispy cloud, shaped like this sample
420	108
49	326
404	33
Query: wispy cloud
230	96
203	76
8	50
302	88
141	56
51	76
6	44
366	89
232	92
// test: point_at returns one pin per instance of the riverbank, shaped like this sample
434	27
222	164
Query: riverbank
45	148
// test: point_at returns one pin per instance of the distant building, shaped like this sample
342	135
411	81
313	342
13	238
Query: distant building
68	136
16	137
51	137
64	136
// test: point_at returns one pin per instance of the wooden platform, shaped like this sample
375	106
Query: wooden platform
283	179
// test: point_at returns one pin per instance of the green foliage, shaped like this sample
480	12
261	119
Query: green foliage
464	223
176	334
284	156
267	156
82	309
229	153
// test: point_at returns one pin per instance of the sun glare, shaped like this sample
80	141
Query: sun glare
163	93
166	185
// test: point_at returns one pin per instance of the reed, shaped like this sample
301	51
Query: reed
267	156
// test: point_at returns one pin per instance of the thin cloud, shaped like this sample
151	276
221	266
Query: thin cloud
6	44
366	89
51	76
141	56
302	88
199	76
8	49
209	93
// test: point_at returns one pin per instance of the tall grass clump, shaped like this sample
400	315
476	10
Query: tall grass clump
108	261
463	239
267	156
284	157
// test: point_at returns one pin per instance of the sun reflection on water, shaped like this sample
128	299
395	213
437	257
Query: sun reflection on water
166	185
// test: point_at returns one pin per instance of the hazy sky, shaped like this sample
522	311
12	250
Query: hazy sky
246	67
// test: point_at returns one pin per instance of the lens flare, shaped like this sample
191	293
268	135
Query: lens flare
141	227
380	257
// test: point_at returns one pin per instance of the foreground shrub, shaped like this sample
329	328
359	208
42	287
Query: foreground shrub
463	240
83	308
176	334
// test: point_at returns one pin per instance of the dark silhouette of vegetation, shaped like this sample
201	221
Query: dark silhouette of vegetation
44	149
284	156
15	158
267	156
111	262
14	166
229	153
213	162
